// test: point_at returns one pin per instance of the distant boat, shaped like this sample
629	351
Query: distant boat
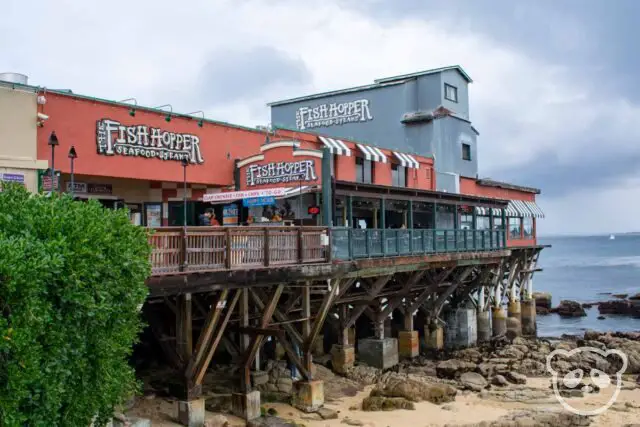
612	237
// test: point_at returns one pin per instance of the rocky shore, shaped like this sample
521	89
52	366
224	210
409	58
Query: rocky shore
503	382
620	304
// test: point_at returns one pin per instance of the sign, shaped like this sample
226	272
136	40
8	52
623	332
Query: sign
230	215
259	201
330	114
83	187
46	182
12	177
143	141
313	210
235	195
281	172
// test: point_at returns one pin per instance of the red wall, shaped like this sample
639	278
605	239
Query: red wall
74	121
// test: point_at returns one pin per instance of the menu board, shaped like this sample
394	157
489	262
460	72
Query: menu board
154	215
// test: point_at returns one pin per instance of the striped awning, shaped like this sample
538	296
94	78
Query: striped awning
488	211
518	208
535	209
512	210
335	146
372	153
407	160
296	191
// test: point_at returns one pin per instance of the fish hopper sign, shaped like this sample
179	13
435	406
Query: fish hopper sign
249	194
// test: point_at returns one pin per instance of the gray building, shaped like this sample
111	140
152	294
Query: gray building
425	113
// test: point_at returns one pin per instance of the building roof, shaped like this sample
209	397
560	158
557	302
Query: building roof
491	183
385	81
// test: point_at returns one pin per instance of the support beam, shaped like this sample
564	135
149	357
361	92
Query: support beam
395	302
439	303
327	303
184	325
259	296
306	326
375	290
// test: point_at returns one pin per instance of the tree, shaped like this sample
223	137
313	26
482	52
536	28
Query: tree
72	281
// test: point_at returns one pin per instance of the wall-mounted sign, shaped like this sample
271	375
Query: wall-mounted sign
235	195
143	141
230	215
12	177
83	187
335	113
45	181
281	172
259	201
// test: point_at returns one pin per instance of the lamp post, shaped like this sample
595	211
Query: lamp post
53	142
72	156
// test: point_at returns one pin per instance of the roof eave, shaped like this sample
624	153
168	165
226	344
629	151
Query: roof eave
508	186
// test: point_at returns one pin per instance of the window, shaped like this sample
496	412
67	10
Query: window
482	222
528	228
398	175
466	222
497	223
363	170
466	151
515	227
450	93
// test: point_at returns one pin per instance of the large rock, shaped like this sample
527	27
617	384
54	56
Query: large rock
379	403
453	368
500	381
543	300
414	391
570	309
473	381
622	307
516	378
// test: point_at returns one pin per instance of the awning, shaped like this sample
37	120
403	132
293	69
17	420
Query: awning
335	146
372	153
488	211
518	208
497	212
512	210
296	191
535	209
407	160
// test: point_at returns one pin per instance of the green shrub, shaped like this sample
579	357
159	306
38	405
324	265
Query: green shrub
71	281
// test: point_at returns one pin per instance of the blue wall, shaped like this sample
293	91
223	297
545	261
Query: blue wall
388	103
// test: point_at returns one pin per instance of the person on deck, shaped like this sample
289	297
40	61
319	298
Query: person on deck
208	218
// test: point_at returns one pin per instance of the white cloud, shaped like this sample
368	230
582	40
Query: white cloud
154	51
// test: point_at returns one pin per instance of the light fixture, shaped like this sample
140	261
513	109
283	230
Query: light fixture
132	111
53	143
201	121
167	118
72	156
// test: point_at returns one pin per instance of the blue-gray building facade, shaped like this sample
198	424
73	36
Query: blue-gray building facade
425	113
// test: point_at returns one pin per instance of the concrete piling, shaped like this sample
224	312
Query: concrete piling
498	321
528	317
484	326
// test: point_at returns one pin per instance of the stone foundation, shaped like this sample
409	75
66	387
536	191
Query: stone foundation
514	321
378	353
191	413
484	326
498	321
308	396
342	358
433	338
408	344
461	328
528	316
246	406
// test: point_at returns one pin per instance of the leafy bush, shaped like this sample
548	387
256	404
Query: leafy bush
71	281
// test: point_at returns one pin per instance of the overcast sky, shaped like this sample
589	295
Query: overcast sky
555	95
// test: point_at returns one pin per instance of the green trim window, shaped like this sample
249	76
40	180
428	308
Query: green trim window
364	171
527	228
450	92
482	223
398	175
497	223
466	222
466	151
515	228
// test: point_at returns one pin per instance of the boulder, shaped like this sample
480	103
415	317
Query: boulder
620	296
622	307
500	381
414	391
378	403
516	378
635	297
453	368
284	385
217	421
570	309
511	352
327	414
543	300
473	381
531	367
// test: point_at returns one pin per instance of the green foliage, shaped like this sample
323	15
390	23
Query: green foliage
71	281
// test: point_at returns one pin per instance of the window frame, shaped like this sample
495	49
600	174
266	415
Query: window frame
398	175
361	166
527	221
455	92
513	235
466	158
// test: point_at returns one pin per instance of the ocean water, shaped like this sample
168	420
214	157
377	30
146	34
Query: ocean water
584	269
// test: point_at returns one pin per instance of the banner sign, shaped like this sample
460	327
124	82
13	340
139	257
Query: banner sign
281	172
230	215
259	201
235	195
83	187
12	177
142	141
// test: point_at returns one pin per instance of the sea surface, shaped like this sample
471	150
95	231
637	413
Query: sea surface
588	269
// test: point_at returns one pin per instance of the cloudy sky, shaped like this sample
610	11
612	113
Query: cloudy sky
554	94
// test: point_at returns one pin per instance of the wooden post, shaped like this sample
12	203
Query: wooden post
184	331
491	223
474	227
267	247
350	211
300	246
183	249
228	251
306	324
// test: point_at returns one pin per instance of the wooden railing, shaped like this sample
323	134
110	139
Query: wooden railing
176	249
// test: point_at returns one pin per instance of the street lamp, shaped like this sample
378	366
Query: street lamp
72	156
53	142
185	163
